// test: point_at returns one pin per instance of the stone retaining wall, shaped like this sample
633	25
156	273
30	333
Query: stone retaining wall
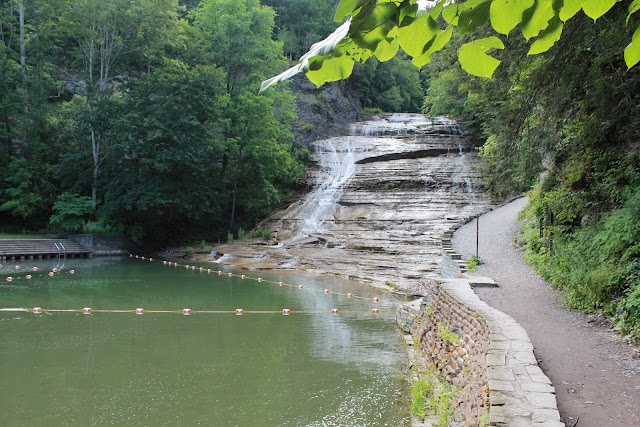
492	363
103	244
456	339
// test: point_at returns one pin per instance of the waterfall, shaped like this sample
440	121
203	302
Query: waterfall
336	158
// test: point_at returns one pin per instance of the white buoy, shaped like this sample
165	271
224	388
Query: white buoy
51	274
239	312
9	279
186	311
28	277
259	279
300	286
327	291
139	310
375	310
242	277
230	274
286	312
86	310
349	295
37	310
376	299
209	270
72	272
334	311
280	283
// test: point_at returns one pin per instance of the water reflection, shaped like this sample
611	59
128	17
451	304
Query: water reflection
308	369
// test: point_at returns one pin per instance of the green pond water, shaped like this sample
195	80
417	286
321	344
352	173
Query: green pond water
311	368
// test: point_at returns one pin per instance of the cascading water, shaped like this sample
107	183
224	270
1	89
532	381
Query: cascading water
381	200
337	166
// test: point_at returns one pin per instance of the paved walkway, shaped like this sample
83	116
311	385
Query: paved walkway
595	373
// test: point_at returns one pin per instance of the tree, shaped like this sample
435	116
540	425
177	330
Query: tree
381	27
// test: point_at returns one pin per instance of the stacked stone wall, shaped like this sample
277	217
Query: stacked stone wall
487	356
456	339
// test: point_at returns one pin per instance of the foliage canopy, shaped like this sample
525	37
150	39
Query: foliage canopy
381	27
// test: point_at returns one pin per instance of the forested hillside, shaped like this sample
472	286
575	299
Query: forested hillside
567	125
143	116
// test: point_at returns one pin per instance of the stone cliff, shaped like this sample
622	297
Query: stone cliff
381	199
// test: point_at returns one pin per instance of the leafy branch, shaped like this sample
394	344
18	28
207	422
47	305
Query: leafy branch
380	27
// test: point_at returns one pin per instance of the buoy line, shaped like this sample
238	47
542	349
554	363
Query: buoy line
245	277
188	311
29	276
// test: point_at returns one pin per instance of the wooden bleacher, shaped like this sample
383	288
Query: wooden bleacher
18	249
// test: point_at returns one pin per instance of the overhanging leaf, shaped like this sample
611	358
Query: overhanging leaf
632	52
332	69
594	9
372	24
548	37
537	18
386	49
471	19
633	8
414	38
474	59
569	9
348	7
321	48
437	43
506	14
451	13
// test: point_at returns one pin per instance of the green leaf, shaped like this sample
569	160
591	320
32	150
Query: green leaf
372	24
348	7
569	9
407	14
451	13
435	44
474	59
548	37
437	9
596	8
413	38
329	70
633	8
506	14
386	49
632	52
537	18
473	18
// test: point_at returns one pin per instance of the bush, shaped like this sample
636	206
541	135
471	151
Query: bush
70	212
261	232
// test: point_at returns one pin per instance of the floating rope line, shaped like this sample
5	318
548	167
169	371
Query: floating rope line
245	277
188	311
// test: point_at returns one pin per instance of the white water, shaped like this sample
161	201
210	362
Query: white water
337	166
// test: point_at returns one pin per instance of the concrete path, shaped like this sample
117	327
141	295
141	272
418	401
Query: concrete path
596	374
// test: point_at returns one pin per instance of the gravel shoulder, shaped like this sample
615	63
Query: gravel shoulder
596	373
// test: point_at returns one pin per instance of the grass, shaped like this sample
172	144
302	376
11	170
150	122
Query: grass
473	263
419	391
446	335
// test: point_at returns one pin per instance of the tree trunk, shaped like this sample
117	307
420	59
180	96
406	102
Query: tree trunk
235	189
23	67
96	167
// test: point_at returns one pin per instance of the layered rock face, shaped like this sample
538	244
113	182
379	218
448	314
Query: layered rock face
382	198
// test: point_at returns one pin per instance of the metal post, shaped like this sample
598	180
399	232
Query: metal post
477	235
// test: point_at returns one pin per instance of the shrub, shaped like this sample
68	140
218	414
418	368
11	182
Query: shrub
70	212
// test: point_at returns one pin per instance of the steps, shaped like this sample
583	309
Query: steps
20	249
